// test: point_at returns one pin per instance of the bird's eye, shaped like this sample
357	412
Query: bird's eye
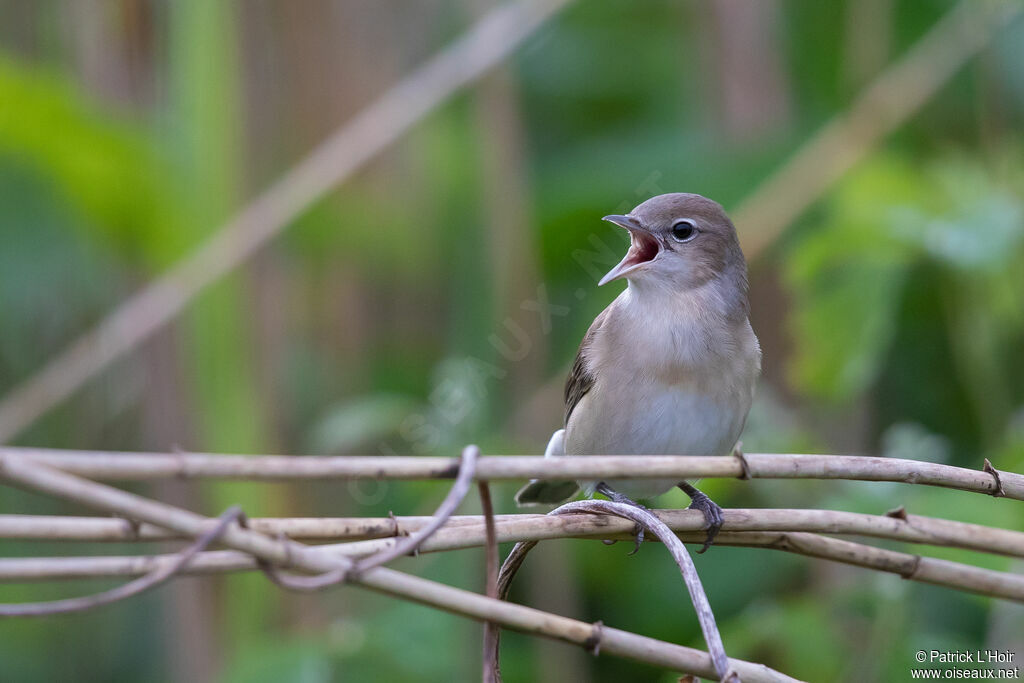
684	231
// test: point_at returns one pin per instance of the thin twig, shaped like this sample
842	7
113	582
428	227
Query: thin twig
659	530
491	674
758	528
906	528
405	545
408	544
509	568
156	577
953	575
148	466
285	552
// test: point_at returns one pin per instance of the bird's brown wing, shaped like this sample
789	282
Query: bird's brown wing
581	379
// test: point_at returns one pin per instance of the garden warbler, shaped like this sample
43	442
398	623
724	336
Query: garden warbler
670	366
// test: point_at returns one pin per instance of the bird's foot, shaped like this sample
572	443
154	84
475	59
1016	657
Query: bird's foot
616	497
712	512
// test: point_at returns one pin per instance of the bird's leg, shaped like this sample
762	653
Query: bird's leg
616	497
712	513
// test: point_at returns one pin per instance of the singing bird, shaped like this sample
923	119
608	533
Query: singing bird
670	366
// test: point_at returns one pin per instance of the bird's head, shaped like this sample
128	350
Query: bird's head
679	241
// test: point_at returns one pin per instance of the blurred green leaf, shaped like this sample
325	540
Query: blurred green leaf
886	220
107	168
359	422
847	276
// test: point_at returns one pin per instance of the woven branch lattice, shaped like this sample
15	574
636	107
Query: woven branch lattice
356	548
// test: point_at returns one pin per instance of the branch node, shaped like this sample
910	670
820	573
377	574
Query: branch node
132	528
593	643
410	545
266	567
396	529
737	452
999	492
147	581
898	513
909	574
181	460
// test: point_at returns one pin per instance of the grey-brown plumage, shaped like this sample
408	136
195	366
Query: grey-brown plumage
580	377
670	366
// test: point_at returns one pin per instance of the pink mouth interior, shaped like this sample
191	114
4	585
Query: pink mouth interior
642	248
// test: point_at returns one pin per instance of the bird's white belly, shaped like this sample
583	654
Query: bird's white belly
654	419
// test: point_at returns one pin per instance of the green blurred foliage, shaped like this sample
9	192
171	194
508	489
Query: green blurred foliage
106	169
917	269
368	327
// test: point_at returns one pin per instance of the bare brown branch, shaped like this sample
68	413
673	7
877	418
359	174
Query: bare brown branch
491	674
154	578
529	529
147	466
906	528
404	545
409	544
657	528
909	529
290	554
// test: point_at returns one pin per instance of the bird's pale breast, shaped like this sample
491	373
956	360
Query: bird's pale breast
657	393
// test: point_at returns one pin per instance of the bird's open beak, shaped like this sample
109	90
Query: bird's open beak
643	248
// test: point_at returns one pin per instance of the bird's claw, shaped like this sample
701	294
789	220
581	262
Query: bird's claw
638	539
712	516
617	497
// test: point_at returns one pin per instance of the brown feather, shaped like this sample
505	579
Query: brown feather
581	379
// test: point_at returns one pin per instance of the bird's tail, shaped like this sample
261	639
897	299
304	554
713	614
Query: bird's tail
548	492
541	492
